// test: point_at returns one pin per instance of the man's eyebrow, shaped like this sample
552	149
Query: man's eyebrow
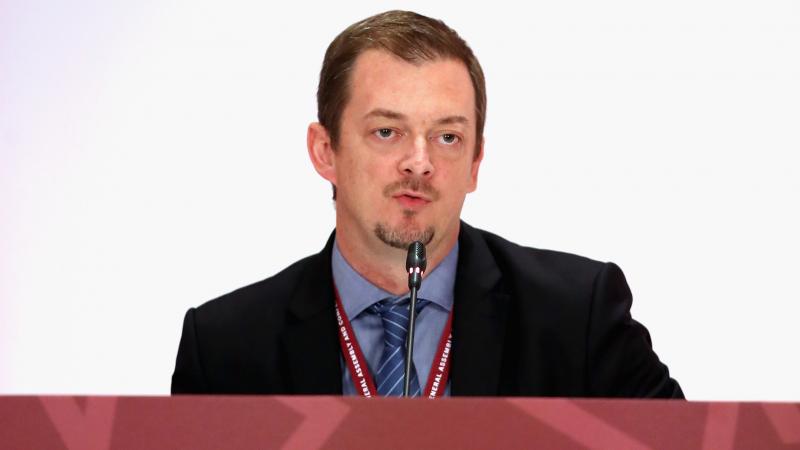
389	114
385	113
452	119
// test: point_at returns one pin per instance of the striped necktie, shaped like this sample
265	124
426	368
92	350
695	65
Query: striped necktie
390	374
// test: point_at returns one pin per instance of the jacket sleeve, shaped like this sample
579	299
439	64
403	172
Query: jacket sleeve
188	377
620	357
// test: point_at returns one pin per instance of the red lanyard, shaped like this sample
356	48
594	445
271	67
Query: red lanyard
359	371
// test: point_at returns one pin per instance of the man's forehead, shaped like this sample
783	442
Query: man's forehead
384	85
377	60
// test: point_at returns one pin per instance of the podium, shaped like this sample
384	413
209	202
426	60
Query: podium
251	422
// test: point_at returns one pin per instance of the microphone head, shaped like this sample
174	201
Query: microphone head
416	256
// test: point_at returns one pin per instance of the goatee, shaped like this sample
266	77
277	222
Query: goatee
402	239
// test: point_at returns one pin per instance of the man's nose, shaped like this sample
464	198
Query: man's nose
418	159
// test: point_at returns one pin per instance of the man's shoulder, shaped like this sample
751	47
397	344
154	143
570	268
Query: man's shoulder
509	254
526	267
266	298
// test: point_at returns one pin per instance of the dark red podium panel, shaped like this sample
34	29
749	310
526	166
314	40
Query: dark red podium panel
212	422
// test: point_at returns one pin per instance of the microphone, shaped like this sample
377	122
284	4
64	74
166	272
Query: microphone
416	262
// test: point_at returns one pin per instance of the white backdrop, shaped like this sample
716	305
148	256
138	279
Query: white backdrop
152	157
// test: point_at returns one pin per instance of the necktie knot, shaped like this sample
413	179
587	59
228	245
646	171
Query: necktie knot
394	314
382	307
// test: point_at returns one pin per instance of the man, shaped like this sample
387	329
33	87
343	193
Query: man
402	105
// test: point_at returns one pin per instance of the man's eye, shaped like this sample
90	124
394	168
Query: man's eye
385	133
448	139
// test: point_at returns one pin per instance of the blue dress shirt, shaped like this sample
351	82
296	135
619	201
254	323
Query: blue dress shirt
358	294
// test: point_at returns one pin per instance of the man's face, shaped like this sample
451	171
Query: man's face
406	154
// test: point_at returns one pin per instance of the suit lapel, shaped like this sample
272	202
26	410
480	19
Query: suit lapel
310	342
479	316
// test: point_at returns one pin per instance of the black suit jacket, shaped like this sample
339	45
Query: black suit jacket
526	322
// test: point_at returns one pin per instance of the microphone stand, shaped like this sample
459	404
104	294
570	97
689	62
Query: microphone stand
412	318
416	263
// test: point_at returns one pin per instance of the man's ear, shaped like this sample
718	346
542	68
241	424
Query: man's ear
476	165
320	150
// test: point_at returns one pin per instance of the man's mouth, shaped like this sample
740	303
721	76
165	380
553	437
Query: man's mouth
411	200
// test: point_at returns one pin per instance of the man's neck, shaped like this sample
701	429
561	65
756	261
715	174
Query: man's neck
383	265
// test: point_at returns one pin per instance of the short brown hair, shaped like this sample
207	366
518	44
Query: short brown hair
409	36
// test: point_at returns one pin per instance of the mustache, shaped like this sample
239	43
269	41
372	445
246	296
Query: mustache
412	184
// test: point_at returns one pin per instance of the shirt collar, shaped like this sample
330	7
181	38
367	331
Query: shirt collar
358	294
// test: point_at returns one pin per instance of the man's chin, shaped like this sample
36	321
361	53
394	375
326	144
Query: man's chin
402	238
